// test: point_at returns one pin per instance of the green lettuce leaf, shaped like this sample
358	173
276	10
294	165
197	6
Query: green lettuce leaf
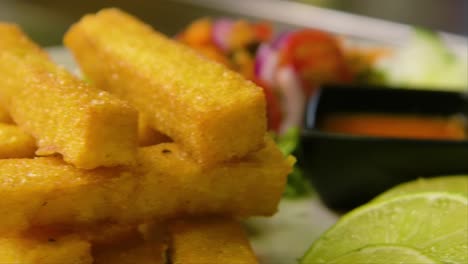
297	185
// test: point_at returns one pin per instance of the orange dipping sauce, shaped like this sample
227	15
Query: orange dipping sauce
396	126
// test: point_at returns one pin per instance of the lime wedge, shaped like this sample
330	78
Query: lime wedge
424	221
452	184
384	254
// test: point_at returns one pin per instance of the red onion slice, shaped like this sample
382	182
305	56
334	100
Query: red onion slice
281	39
266	62
263	51
293	97
222	28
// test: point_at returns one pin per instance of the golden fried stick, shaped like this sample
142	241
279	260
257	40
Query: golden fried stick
45	251
89	127
214	113
165	184
147	136
15	143
131	252
210	241
99	235
111	244
4	116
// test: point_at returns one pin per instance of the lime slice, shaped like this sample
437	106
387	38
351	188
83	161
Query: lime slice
384	254
424	221
452	184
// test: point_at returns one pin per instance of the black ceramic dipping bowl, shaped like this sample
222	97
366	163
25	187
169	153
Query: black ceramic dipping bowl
348	170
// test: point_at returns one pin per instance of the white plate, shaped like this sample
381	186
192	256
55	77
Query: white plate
280	239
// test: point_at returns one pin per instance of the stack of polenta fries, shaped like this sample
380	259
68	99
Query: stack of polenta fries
155	161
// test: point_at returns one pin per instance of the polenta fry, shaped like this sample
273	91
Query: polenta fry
165	184
111	244
89	127
4	116
147	136
99	235
15	143
212	112
210	241
131	252
47	251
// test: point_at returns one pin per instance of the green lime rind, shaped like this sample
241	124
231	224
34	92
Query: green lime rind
424	221
453	184
384	254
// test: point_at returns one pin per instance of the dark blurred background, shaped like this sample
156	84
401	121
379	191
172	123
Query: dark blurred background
47	20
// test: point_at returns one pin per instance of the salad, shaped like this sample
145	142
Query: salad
291	65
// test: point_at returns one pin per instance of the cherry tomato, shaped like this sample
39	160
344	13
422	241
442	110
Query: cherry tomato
317	58
263	31
273	106
198	33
